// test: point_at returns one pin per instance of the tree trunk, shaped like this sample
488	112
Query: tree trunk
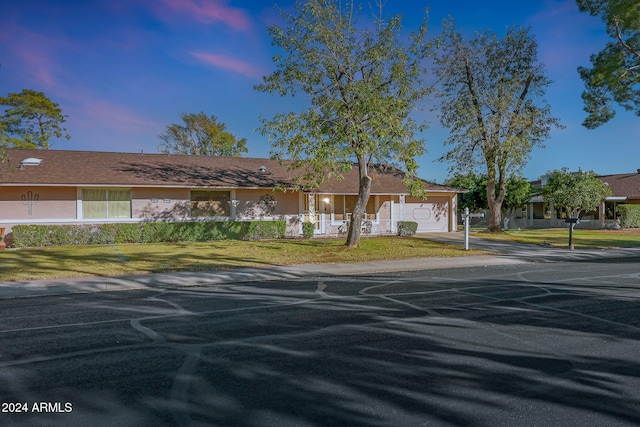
364	190
494	217
495	207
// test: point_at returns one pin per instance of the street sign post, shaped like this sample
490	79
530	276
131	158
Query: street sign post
468	215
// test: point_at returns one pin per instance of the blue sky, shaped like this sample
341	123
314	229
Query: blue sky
122	70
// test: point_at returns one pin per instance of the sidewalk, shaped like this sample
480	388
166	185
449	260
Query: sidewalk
506	254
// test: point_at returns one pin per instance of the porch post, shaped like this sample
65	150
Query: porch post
453	213
392	226
531	212
311	201
234	204
601	215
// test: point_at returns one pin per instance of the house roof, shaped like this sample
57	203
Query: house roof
623	185
92	168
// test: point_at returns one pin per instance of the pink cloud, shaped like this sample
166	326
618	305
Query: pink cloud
220	61
210	12
89	110
34	53
107	114
40	67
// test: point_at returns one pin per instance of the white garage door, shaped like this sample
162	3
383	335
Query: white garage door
431	216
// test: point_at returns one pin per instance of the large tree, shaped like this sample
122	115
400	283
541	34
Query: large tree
615	73
30	120
518	194
201	135
3	141
362	81
574	191
492	100
475	197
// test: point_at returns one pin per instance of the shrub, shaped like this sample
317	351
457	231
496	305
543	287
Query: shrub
407	228
156	232
30	235
630	215
266	230
65	235
148	232
307	229
128	233
104	234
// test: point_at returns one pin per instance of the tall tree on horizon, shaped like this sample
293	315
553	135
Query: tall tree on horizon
30	120
362	81
3	140
201	135
615	73
492	101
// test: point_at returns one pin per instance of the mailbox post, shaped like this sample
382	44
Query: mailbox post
572	222
468	215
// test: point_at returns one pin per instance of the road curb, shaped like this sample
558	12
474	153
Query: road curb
165	280
505	254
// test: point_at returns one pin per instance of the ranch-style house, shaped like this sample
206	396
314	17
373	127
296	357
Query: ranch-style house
87	187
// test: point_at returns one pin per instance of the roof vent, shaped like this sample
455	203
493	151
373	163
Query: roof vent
31	161
263	169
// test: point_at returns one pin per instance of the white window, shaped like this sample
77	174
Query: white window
106	203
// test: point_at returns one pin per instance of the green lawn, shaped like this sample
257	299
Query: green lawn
109	260
559	237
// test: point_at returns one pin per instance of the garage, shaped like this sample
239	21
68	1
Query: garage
432	215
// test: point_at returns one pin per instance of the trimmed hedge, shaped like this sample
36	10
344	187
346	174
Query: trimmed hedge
407	228
266	230
630	215
145	232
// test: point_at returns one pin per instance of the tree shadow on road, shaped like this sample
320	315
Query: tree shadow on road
384	352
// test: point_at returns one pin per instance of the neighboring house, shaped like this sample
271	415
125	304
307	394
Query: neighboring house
83	187
625	189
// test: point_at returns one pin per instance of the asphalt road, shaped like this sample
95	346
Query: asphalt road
515	345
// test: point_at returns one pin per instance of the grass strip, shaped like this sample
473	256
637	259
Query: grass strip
113	260
559	237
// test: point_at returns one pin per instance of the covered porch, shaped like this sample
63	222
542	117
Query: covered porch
331	213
